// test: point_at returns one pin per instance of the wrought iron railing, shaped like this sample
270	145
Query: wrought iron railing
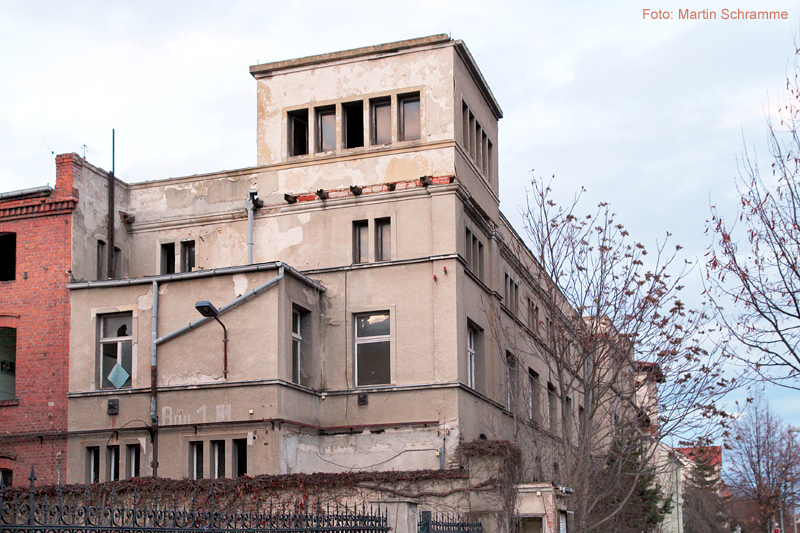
446	523
32	512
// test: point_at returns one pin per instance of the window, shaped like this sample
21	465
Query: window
533	396
511	294
409	117
112	467
8	256
511	380
8	363
6	477
239	457
101	260
474	355
218	454
326	129
465	126
133	454
360	241
372	349
353	124
92	464
187	256
196	460
381	120
474	253
300	351
383	239
168	258
552	406
298	132
484	153
569	416
117	263
115	350
533	315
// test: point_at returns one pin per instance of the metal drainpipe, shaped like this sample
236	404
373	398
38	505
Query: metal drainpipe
111	270
154	382
251	204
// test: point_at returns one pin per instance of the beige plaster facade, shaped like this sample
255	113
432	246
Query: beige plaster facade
359	334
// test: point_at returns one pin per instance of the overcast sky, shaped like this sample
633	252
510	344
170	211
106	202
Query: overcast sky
649	115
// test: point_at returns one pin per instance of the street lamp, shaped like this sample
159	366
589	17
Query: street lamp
207	309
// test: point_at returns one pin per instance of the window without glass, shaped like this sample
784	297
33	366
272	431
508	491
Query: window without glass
8	363
112	467
218	455
511	380
383	239
381	120
533	396
133	454
101	260
7	477
168	258
353	124
117	263
298	132
409	117
92	464
187	256
326	129
372	349
196	460
239	457
552	407
115	351
533	315
360	241
8	256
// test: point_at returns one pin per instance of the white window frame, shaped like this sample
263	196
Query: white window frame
471	356
297	345
134	453
119	341
113	463
194	446
360	341
217	450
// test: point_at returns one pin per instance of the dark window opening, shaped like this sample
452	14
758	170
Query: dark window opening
381	121
134	460
409	117
7	477
168	258
101	260
298	132
196	460
117	263
326	129
8	363
383	239
239	457
93	464
218	454
360	241
8	256
187	256
353	124
113	463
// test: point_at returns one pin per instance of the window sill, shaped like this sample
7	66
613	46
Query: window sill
9	403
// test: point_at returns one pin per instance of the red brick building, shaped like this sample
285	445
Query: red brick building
38	239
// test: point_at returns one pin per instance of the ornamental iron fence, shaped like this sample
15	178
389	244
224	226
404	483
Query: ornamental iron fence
446	523
45	513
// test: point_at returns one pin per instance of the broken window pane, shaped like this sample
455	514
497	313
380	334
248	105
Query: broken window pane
326	129
353	124
298	132
116	351
381	116
409	117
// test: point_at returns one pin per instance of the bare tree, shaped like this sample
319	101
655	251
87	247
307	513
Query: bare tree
763	464
625	359
753	261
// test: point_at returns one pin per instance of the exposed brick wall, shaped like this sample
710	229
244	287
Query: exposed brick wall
36	303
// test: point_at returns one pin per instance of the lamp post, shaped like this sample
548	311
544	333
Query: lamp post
207	309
